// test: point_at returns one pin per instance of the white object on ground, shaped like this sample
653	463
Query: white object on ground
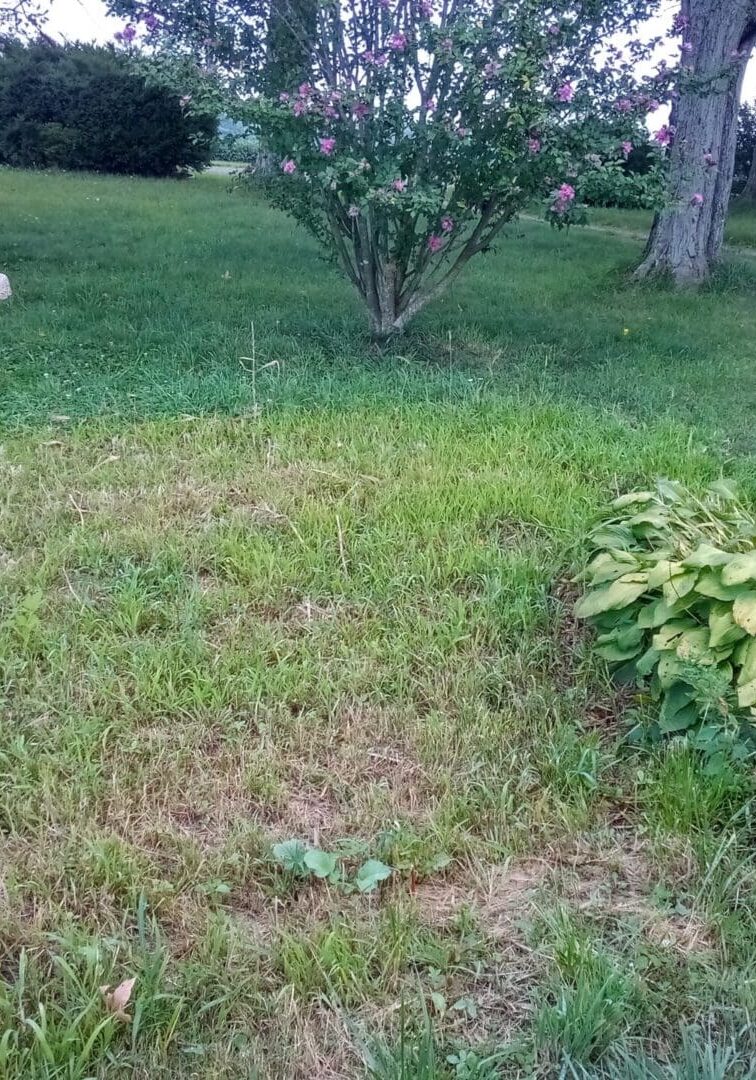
5	288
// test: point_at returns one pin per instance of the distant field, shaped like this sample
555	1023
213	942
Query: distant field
739	232
259	582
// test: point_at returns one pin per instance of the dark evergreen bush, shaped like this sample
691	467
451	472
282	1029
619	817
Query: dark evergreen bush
82	107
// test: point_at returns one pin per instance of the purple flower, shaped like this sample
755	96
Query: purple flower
288	166
361	110
327	145
686	47
398	184
398	41
652	105
553	28
492	69
426	8
127	34
534	144
380	60
283	96
462	132
429	105
623	105
305	90
299	107
627	148
446	44
680	23
697	199
566	192
664	135
447	224
435	243
151	21
566	92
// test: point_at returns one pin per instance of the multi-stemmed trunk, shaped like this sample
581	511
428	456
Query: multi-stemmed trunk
686	237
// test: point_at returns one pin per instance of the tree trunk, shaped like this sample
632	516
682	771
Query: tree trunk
686	236
748	194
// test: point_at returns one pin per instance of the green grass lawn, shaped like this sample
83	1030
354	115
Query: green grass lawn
259	582
740	230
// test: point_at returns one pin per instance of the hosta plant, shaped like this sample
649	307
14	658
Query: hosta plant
671	591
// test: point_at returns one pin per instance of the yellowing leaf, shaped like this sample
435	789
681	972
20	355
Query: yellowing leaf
744	612
117	999
739	569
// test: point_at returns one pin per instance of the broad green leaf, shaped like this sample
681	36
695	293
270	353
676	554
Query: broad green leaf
370	874
678	587
747	694
666	638
710	584
670	490
663	571
647	662
321	863
723	628
707	556
607	567
613	536
740	568
615	653
291	855
724	489
619	594
677	712
748	663
744	612
655	614
668	670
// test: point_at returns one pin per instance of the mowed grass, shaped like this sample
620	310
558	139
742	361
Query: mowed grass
262	584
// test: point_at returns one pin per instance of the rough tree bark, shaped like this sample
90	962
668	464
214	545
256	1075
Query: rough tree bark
686	237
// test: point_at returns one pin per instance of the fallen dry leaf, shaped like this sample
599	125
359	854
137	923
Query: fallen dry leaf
116	1000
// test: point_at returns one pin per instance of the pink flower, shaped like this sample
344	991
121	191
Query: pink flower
398	184
126	35
361	110
398	41
151	21
447	224
652	105
534	144
563	198
627	148
327	145
623	105
664	135
305	90
553	28
435	243
697	199
566	92
709	160
429	105
680	23
299	107
353	211
492	69
288	166
446	44
426	8
283	97
462	132
380	60
686	47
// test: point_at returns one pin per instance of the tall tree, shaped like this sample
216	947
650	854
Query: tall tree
686	237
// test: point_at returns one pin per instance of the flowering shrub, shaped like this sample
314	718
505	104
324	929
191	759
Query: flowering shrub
671	589
425	125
